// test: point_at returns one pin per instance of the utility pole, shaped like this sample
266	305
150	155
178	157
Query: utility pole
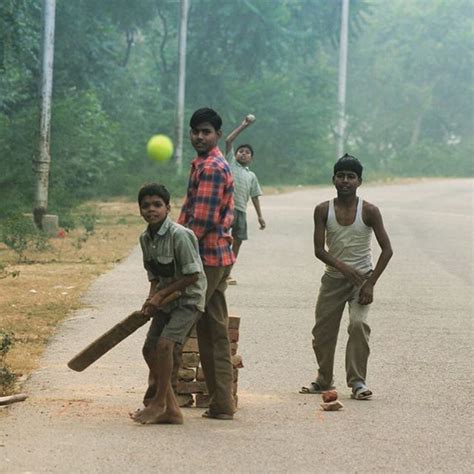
341	96
41	162
183	31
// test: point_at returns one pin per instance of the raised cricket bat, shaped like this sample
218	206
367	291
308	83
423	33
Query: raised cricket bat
113	336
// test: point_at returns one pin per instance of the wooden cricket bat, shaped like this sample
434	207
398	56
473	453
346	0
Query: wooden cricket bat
113	336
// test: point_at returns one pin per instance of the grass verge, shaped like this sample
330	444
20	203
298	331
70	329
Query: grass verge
38	290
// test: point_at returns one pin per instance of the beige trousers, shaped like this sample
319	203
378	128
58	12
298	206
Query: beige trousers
334	293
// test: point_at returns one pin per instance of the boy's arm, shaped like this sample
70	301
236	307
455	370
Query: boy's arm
319	237
188	261
235	133
256	204
179	285
374	220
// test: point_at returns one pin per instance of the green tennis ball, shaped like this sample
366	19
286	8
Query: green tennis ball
159	148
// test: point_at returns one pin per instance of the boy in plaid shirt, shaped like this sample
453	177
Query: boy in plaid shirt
208	210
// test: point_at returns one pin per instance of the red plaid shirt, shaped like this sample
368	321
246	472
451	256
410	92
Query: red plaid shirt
208	209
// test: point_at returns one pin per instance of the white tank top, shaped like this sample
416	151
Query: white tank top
350	243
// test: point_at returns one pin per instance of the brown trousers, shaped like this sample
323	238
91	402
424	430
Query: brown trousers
214	345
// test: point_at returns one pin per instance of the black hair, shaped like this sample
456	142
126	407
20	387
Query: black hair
154	189
206	115
245	145
349	163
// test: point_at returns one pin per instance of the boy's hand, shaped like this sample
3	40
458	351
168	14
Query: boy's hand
351	274
366	293
248	120
152	304
262	223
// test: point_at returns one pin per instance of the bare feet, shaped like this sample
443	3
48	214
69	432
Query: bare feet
147	415
154	414
172	418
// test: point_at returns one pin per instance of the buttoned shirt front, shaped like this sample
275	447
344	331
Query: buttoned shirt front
208	209
169	255
246	184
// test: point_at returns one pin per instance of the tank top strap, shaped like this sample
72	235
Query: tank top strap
360	206
331	211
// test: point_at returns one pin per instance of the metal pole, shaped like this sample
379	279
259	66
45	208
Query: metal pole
183	29
341	96
41	163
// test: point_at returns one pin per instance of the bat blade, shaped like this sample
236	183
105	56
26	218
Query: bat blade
112	337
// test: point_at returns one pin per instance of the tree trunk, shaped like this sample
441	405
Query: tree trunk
415	135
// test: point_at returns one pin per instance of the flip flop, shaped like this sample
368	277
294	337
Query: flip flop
217	416
315	388
361	393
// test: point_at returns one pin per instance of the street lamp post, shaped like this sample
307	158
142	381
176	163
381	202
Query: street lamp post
183	28
341	96
41	162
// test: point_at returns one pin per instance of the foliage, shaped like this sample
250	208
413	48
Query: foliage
115	78
88	221
6	341
16	232
412	75
7	377
19	233
7	380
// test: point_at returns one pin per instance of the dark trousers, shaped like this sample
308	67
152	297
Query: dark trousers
214	346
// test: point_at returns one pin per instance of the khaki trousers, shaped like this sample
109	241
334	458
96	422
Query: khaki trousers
334	293
214	346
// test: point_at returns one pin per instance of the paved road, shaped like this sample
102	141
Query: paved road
420	369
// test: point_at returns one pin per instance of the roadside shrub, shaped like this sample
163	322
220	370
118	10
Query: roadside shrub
7	377
88	221
16	231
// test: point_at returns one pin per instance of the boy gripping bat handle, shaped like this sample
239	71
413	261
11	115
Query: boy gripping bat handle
113	336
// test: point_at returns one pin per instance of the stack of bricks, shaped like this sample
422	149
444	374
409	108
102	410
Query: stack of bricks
191	376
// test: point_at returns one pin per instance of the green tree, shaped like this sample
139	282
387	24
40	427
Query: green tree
411	73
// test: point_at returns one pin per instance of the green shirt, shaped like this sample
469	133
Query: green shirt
245	183
169	255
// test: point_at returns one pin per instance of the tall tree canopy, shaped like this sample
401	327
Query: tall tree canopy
115	81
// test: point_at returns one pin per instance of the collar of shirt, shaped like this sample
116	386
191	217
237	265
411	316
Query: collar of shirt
201	160
246	168
162	230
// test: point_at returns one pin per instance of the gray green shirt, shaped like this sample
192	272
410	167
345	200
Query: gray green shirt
246	184
169	255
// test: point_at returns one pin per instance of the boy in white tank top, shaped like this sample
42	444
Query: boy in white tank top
345	225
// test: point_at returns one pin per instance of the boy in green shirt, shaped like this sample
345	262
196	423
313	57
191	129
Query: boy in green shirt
171	258
246	186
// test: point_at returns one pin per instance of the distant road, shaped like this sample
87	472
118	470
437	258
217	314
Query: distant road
420	368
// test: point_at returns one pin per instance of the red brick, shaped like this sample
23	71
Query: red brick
191	387
191	345
190	360
237	361
234	322
200	375
186	375
202	400
233	335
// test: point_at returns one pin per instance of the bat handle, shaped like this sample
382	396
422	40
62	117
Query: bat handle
171	297
168	299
